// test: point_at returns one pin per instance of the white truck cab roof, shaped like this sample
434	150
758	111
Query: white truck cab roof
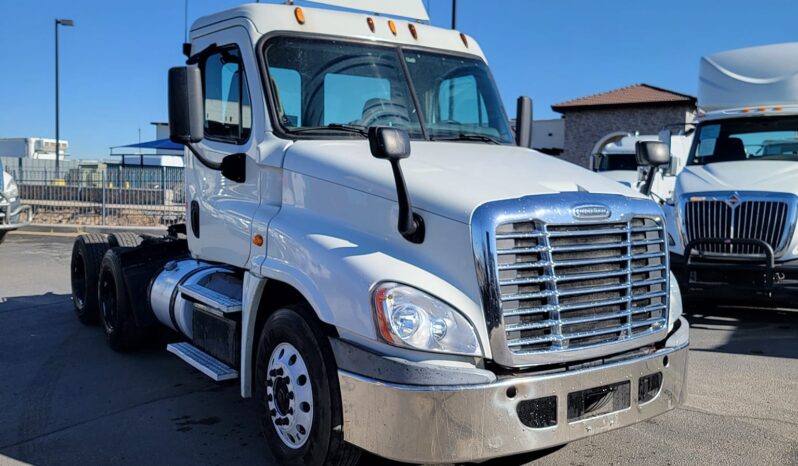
262	19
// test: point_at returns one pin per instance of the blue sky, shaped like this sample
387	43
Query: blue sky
114	61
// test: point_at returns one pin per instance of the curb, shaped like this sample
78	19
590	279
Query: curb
78	229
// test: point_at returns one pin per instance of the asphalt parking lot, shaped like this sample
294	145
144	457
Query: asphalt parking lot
66	398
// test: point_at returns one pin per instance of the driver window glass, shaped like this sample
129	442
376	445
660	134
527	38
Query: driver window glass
348	97
228	112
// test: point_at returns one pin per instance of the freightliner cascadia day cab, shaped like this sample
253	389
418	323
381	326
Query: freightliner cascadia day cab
733	217
377	262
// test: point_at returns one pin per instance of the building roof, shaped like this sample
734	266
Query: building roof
629	96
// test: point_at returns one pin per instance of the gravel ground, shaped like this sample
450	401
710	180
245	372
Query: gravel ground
65	398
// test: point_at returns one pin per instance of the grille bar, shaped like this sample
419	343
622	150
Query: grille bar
580	285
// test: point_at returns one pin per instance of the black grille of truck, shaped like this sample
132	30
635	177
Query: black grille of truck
566	287
718	219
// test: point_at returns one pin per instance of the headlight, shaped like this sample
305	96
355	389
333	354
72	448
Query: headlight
411	318
12	190
675	300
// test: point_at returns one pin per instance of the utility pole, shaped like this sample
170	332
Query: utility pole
69	23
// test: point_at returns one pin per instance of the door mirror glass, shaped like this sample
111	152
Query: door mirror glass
652	153
389	143
185	105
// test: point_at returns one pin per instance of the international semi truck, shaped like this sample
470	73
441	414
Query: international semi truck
378	261
733	216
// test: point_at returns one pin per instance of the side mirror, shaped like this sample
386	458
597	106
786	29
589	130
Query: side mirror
389	143
185	105
652	153
393	145
523	122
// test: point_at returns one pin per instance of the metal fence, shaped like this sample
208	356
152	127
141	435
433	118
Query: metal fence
105	195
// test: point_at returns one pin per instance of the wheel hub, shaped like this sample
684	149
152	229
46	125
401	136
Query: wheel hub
289	396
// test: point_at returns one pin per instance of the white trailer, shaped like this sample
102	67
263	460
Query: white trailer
732	222
475	299
31	148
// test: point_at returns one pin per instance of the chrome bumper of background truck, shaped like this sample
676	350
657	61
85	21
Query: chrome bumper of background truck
434	424
10	212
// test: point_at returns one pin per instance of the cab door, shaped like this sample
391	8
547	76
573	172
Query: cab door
220	211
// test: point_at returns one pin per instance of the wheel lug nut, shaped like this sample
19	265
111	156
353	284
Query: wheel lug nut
273	372
278	371
290	395
290	410
269	382
269	398
272	413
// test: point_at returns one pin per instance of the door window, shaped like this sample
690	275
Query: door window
228	111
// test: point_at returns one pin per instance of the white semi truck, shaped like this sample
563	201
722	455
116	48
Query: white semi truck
733	217
11	208
376	261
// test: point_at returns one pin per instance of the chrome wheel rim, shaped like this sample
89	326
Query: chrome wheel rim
289	396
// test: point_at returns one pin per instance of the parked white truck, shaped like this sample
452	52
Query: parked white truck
516	304
11	207
733	218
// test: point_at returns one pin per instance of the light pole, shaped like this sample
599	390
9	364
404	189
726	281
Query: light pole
69	23
454	14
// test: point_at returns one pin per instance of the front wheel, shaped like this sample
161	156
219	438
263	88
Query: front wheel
298	393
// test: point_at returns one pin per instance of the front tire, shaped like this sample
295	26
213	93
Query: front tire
298	393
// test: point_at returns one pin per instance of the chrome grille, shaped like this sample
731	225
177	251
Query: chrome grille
573	286
764	220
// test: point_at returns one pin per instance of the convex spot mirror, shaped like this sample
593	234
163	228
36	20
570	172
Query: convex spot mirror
652	153
389	143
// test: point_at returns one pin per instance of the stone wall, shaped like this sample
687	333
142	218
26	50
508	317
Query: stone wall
583	128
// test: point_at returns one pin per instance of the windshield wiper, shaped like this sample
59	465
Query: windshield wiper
467	137
356	129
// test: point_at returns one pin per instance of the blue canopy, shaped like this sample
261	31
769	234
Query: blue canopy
165	144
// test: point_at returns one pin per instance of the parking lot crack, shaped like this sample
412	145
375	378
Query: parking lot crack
740	416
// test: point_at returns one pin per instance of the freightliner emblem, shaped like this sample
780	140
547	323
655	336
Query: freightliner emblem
591	212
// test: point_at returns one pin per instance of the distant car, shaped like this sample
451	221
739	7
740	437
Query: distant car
10	205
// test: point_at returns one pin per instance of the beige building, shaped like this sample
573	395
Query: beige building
638	108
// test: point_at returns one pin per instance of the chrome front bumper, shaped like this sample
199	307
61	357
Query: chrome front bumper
436	424
10	212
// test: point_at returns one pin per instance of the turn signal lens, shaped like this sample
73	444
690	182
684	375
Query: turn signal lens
257	240
392	26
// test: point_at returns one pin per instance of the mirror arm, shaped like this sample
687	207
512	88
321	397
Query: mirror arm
649	181
212	165
411	225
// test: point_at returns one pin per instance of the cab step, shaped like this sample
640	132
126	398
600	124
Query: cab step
202	361
211	298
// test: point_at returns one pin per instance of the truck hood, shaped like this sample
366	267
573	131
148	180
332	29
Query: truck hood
448	179
762	175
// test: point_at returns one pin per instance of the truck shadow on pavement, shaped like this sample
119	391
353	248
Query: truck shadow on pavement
744	330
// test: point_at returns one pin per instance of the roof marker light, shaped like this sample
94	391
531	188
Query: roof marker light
761	109
746	110
464	39
392	26
413	31
778	109
371	24
299	15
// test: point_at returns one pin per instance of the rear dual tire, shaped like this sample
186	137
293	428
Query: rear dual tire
87	256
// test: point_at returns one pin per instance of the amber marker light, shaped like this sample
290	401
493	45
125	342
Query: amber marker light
371	24
392	26
257	240
413	31
299	15
464	39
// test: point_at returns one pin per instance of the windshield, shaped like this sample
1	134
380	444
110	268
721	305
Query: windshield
612	162
326	87
760	138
